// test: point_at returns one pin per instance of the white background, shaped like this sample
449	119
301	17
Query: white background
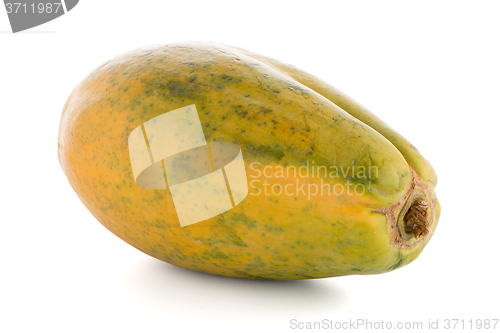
428	68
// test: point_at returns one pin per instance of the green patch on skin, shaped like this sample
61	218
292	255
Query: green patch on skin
250	276
238	242
243	219
211	241
272	228
182	89
265	110
215	253
174	88
399	263
258	260
263	152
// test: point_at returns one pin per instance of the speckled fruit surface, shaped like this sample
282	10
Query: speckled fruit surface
280	117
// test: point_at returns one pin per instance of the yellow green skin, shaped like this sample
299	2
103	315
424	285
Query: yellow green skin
278	116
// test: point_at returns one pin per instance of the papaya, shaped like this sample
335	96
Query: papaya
220	160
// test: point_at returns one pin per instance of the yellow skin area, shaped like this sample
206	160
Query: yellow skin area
278	115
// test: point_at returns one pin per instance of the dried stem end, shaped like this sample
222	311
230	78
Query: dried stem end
411	218
415	219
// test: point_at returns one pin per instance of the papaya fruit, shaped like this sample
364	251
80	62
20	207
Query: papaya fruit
219	160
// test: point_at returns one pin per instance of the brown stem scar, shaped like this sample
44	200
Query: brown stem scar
415	219
410	219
